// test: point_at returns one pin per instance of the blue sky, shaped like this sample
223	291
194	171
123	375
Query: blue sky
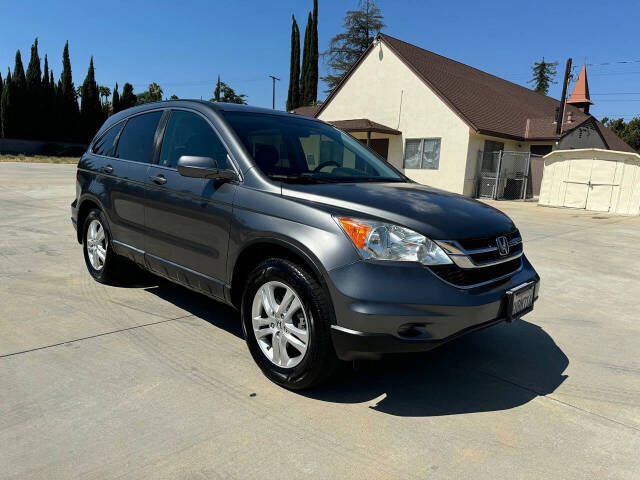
184	45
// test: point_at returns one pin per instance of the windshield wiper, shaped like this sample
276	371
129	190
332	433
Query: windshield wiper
305	177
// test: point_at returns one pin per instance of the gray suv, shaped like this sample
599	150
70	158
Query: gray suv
327	251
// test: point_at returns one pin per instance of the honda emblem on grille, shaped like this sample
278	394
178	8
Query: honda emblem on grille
503	245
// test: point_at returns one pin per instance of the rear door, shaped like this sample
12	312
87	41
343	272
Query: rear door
127	171
187	219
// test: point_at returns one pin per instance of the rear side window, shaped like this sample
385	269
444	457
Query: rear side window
189	134
136	140
105	146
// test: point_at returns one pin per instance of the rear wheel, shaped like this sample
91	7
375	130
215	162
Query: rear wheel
102	262
286	322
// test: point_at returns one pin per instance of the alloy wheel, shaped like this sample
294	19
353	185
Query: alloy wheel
280	324
96	245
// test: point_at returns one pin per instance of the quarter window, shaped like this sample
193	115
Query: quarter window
106	144
136	140
422	153
189	134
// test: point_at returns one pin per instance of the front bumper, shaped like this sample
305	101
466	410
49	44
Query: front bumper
390	307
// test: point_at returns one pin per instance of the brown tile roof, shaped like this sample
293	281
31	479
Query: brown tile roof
363	125
309	111
488	104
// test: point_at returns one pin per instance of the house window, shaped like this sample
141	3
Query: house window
422	153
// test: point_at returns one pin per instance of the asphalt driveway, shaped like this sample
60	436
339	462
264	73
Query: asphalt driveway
152	381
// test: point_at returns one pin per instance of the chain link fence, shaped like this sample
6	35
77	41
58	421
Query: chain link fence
504	175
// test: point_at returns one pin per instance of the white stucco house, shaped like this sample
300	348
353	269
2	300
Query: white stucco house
434	117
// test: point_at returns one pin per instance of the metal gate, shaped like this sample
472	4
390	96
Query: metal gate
504	175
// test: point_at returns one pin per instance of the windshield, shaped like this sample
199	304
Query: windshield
291	149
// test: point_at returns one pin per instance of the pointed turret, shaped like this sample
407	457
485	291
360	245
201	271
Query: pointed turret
580	95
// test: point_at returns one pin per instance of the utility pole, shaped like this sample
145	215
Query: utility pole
273	103
565	84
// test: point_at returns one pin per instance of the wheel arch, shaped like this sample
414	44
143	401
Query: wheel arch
261	249
87	203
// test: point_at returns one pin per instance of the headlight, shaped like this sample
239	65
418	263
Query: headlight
385	241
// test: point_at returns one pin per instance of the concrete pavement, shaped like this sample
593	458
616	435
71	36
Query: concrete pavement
153	381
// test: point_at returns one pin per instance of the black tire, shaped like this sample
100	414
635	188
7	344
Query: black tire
115	268
320	359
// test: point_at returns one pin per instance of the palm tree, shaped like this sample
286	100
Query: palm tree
105	93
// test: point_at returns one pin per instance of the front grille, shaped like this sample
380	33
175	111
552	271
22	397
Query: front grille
486	242
495	255
471	276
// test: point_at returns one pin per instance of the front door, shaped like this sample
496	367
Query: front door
188	219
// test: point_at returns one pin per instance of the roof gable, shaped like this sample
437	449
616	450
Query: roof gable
488	104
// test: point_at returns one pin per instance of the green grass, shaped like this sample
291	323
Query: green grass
37	159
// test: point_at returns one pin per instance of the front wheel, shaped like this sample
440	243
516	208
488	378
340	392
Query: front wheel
286	323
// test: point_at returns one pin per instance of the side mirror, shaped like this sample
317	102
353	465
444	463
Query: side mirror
203	167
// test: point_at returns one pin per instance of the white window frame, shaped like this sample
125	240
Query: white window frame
420	152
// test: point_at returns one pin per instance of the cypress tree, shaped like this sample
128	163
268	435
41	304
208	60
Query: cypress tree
90	108
216	92
19	87
68	105
1	85
115	100
306	63
46	103
128	98
7	107
293	96
313	69
33	95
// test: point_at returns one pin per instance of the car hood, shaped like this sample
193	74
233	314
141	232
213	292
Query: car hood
438	214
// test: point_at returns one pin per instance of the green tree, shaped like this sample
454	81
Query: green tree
360	29
128	99
19	87
173	97
544	74
1	86
7	107
105	93
224	93
293	96
217	93
627	131
115	100
312	88
152	94
33	95
48	93
67	104
306	62
90	106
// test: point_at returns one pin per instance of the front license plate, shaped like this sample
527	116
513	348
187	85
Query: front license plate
520	300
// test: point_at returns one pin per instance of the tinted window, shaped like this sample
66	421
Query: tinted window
105	145
136	140
189	134
292	149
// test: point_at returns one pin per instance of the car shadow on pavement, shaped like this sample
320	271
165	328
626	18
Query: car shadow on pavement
216	313
498	368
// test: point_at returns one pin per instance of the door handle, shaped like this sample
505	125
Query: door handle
159	179
107	169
